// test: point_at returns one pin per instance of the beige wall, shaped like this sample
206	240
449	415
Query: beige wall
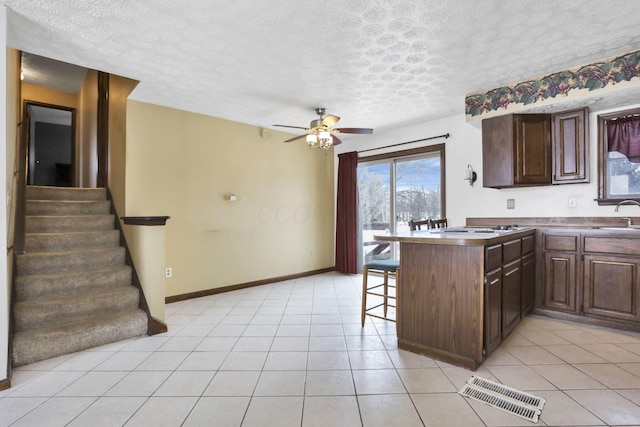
119	90
49	96
182	164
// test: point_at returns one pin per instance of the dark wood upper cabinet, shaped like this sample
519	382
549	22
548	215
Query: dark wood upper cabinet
571	147
520	150
516	150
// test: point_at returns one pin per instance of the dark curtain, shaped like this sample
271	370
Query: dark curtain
623	136
347	214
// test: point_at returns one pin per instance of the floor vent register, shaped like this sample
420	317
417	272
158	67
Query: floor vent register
510	400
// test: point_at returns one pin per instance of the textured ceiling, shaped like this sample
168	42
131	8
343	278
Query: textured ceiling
375	63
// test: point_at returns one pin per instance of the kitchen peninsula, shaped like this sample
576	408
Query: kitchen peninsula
461	291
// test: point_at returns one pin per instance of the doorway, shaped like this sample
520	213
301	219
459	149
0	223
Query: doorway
50	145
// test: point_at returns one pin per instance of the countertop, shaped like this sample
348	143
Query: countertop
458	236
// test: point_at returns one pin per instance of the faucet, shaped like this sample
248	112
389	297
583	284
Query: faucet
627	202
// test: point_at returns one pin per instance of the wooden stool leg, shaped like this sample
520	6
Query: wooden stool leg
386	292
364	293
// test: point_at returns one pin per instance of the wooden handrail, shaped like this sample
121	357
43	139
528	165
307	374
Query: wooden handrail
145	220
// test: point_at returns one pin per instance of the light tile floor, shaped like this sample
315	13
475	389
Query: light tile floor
293	354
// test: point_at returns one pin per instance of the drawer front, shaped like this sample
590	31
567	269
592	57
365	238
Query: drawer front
528	244
565	242
511	250
493	256
612	245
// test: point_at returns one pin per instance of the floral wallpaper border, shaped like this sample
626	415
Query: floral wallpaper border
591	77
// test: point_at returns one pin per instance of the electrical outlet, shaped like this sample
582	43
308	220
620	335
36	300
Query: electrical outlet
168	272
572	202
511	203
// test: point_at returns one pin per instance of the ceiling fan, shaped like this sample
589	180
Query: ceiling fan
321	131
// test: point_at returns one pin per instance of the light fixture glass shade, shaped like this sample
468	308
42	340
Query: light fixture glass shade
324	139
312	140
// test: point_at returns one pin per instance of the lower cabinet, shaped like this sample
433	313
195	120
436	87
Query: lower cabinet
509	288
611	286
560	281
594	274
561	252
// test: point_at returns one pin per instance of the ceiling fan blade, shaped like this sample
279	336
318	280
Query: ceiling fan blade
362	131
296	137
330	120
294	127
336	140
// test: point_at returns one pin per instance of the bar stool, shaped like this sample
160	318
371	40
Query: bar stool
385	268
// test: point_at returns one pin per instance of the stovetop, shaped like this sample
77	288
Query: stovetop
506	227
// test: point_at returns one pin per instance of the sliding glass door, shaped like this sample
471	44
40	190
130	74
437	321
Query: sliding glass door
394	190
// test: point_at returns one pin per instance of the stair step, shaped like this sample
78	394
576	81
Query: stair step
56	242
40	344
45	286
55	224
39	314
59	262
67	207
36	192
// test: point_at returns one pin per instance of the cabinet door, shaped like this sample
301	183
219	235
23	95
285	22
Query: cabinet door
533	149
570	147
528	291
497	152
511	283
560	281
611	286
492	311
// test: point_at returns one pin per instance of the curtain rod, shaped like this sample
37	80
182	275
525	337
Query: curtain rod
445	136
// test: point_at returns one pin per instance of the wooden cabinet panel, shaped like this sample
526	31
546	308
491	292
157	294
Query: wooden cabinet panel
493	311
493	257
611	286
528	292
498	152
511	250
566	242
613	245
560	281
528	244
511	284
533	149
570	147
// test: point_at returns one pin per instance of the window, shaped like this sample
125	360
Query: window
393	189
618	157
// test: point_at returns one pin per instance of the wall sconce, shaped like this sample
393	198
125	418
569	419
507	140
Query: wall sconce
470	175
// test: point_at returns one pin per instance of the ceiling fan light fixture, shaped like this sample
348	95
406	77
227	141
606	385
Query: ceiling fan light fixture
320	131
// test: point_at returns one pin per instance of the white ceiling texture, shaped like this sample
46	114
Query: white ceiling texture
375	63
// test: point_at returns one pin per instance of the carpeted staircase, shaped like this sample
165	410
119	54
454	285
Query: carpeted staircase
73	289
